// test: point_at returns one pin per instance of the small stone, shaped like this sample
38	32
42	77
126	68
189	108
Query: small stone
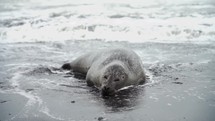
177	82
100	118
28	90
3	101
73	101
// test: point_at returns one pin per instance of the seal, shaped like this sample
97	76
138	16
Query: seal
109	70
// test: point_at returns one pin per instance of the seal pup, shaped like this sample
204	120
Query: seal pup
109	70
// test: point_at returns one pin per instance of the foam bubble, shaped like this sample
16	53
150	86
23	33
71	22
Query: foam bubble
123	20
46	111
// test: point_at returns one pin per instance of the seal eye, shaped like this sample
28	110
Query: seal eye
105	77
116	80
123	77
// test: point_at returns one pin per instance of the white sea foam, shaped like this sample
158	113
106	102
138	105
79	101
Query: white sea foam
33	99
139	21
46	111
15	82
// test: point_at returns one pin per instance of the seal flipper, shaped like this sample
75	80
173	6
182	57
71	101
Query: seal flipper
141	81
76	73
66	66
90	83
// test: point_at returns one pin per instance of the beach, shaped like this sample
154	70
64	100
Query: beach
176	43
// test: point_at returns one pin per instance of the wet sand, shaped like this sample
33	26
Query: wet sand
181	83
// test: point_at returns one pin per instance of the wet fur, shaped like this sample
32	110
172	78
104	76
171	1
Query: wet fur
94	64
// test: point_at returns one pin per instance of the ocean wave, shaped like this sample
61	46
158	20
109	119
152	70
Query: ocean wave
110	22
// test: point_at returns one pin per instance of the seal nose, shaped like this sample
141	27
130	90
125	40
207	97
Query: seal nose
105	88
107	91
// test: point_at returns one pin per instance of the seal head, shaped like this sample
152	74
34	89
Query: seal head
113	78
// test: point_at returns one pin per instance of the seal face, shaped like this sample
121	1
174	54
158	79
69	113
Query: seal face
113	79
109	70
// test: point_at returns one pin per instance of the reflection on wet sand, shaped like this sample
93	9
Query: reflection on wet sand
181	73
123	100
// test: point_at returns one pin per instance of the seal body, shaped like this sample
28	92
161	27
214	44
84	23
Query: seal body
109	70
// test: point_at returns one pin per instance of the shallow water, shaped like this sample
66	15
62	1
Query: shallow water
180	85
175	41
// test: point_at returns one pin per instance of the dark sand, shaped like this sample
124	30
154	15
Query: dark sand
181	84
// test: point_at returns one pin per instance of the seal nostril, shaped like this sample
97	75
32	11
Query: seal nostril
106	88
107	91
